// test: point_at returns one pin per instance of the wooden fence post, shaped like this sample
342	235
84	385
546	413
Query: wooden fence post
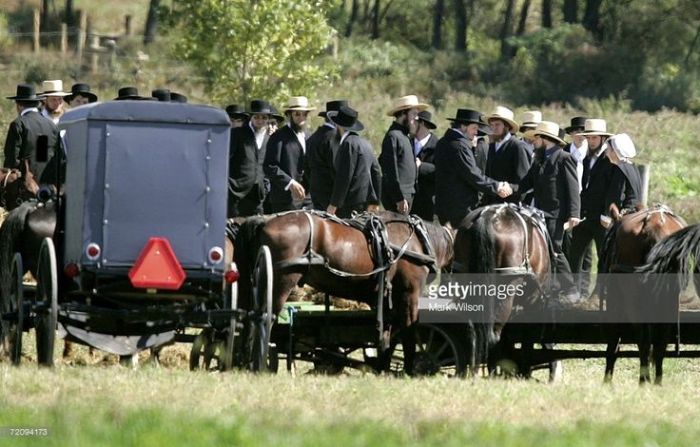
36	32
94	53
127	25
82	23
64	38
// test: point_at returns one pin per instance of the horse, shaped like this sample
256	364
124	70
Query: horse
626	247
505	240
334	257
23	231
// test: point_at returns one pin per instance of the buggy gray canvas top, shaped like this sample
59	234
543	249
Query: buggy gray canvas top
142	169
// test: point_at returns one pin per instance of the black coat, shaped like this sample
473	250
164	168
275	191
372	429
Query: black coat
246	177
481	154
510	163
625	187
596	184
321	148
284	162
398	166
424	201
21	142
554	184
357	174
458	180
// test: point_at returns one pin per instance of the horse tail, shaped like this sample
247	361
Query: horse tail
246	246
10	236
675	254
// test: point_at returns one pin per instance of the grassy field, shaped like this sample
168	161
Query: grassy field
103	404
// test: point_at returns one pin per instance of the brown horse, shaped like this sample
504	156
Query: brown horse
505	240
310	248
627	245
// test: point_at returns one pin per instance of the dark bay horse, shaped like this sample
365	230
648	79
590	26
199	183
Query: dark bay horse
295	237
627	245
504	240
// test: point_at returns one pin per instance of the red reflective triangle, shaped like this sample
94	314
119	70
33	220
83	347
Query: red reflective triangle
157	267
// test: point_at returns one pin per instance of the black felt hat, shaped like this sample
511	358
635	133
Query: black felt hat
25	92
467	116
260	107
333	106
161	94
346	117
577	123
426	117
130	93
178	97
80	90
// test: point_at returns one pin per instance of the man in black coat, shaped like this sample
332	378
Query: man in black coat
284	160
321	149
397	160
458	180
358	178
597	181
26	133
552	177
625	192
246	177
508	159
424	144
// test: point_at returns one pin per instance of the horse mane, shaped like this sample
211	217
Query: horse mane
10	232
675	254
481	258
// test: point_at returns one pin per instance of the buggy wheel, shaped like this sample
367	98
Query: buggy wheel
12	323
202	351
46	303
261	321
228	346
438	352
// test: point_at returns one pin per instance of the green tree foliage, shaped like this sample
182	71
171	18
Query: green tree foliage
250	49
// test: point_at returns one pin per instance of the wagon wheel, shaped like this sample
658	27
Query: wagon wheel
228	345
202	351
261	321
438	351
46	303
12	323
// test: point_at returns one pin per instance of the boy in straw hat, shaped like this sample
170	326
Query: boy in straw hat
508	159
552	178
53	94
397	160
284	160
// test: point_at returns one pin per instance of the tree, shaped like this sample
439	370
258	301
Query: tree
353	17
523	18
438	14
591	18
149	34
546	13
265	49
570	9
375	19
460	26
507	50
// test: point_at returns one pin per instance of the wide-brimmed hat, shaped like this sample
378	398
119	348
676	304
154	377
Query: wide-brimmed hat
300	103
25	92
547	129
595	126
236	111
622	145
504	114
426	118
468	116
333	106
276	114
52	88
531	119
259	107
161	94
130	93
178	97
407	102
577	123
346	117
80	90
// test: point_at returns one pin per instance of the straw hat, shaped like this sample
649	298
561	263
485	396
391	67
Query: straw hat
52	88
547	129
530	120
503	114
407	102
623	146
595	126
298	103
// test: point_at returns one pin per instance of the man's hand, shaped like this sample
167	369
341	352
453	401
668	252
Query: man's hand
297	190
331	209
402	206
572	222
504	190
373	208
418	162
30	184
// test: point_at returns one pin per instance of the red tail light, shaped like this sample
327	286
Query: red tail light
93	251
71	270
231	276
216	255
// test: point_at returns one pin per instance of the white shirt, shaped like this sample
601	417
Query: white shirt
597	155
345	135
579	153
259	135
503	141
418	145
301	136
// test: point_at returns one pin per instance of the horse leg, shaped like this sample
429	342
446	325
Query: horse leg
644	351
661	333
524	366
611	354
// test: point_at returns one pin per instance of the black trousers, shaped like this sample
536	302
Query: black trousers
582	236
583	278
250	205
565	279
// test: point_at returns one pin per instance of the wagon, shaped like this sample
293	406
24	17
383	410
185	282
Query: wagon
138	255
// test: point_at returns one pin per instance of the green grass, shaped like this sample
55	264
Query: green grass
113	405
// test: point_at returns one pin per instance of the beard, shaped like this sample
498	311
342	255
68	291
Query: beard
296	127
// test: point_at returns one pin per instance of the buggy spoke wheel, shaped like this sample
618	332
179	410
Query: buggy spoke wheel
46	303
438	351
261	321
228	346
12	324
200	357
